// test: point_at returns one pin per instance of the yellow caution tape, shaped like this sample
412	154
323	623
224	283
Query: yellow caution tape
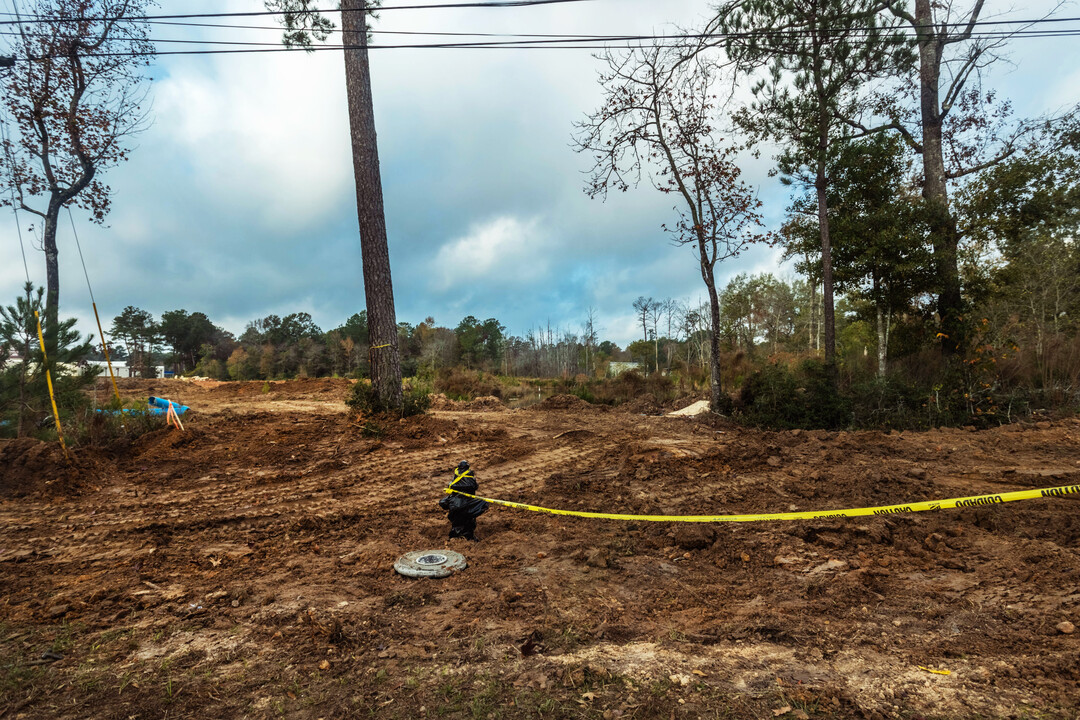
973	501
936	672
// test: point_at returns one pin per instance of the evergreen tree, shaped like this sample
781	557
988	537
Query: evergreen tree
819	54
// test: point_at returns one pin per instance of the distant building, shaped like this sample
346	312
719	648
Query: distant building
121	370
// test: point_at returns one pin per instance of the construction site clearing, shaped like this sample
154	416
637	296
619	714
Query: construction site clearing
243	567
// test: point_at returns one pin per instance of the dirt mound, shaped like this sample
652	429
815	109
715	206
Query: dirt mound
486	403
644	405
164	441
439	401
311	388
419	427
189	392
562	402
32	466
691	410
240	389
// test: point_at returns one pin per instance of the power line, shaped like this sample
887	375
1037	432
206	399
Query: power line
265	13
278	28
506	40
172	19
403	32
544	38
552	43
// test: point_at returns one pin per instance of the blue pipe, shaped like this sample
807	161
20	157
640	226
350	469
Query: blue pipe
131	411
156	402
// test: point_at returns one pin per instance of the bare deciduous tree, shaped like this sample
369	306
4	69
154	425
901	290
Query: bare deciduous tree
658	118
76	94
589	336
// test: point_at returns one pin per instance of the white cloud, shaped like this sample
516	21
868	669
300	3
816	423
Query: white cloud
493	253
264	135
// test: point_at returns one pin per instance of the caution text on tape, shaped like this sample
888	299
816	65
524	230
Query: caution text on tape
924	506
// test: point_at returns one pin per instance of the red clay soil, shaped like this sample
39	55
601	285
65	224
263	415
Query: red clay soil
243	568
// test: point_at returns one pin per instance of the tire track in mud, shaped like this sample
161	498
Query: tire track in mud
390	478
332	473
228	494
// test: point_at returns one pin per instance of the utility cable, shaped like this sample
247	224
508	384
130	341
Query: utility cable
494	45
265	13
26	268
14	205
278	28
565	44
546	39
93	303
172	19
560	42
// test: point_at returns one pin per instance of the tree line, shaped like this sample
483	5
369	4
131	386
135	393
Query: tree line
919	200
276	347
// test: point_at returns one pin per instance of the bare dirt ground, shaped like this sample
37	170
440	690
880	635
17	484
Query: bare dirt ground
242	569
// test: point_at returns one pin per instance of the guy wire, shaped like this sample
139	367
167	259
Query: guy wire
85	274
93	303
14	206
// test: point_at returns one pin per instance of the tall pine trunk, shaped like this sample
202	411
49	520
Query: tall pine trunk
829	318
824	119
882	343
378	288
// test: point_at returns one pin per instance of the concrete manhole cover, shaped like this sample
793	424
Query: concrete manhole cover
430	563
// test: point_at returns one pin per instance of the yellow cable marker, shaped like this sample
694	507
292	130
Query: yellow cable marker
52	396
105	349
936	672
973	501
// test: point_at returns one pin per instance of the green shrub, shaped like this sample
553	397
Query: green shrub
778	397
628	386
887	403
362	399
582	391
770	397
372	429
24	394
416	399
459	384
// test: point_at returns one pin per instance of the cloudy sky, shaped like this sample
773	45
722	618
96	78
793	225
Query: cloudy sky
239	200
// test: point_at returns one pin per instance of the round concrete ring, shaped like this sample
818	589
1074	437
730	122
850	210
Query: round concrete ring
430	563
